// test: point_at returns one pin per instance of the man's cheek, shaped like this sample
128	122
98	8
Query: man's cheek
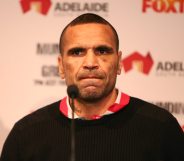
69	77
113	70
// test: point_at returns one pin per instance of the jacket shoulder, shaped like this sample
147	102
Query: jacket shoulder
42	114
151	111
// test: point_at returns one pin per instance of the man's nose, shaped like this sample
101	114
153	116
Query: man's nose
90	60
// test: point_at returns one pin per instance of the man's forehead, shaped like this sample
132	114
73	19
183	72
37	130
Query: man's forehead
87	35
92	32
88	27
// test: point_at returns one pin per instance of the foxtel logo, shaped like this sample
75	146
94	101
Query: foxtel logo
164	6
41	6
139	62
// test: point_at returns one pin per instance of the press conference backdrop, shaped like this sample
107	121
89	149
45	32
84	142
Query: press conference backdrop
151	36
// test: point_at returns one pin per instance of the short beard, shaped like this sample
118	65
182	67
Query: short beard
94	96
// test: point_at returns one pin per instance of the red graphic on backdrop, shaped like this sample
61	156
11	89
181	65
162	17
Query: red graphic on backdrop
136	60
164	6
41	6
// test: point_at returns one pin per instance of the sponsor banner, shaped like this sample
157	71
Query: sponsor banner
170	68
151	40
47	48
41	6
49	76
136	60
163	6
65	8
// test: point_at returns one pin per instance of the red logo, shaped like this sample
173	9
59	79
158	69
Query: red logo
41	6
166	6
136	60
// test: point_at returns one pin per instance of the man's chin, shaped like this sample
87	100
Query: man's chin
90	99
91	94
90	89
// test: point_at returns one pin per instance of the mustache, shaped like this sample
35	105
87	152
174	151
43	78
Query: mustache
90	74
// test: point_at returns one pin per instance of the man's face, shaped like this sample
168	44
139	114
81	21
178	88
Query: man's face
90	60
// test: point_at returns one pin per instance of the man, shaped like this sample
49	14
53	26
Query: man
110	125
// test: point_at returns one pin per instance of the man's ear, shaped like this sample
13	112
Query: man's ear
119	63
60	66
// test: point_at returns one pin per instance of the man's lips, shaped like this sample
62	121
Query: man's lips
90	77
91	80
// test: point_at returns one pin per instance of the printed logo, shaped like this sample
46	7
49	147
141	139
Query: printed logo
70	8
163	6
41	6
170	68
49	76
47	48
139	62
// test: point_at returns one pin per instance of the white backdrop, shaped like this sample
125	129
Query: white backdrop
29	50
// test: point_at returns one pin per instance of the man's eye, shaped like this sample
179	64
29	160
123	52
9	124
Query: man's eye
103	50
76	52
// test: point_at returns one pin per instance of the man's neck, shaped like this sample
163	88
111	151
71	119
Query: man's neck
87	109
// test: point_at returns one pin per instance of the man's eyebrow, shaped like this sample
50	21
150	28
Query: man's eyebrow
106	47
98	47
75	49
